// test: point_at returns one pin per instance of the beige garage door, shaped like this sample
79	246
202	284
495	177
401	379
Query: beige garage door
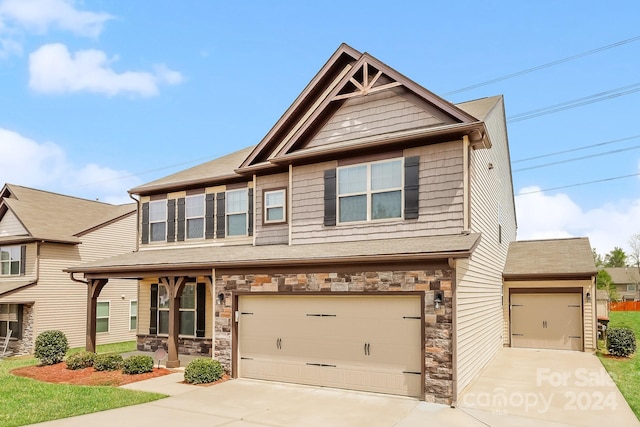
368	343
551	321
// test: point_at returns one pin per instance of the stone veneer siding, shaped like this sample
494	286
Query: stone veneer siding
438	323
190	346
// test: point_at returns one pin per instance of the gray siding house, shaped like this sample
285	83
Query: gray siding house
360	244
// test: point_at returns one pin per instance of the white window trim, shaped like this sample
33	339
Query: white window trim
11	260
187	217
8	321
108	318
130	314
227	213
368	192
283	206
163	203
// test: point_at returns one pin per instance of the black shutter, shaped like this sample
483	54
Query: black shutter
23	259
210	231
250	213
18	334
181	219
201	300
171	220
153	319
411	186
330	197
220	232
145	222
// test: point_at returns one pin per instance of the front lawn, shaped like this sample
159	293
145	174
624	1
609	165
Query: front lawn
625	372
26	401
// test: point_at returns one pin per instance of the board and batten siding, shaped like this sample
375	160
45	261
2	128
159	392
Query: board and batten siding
479	316
371	115
589	315
440	201
11	226
271	234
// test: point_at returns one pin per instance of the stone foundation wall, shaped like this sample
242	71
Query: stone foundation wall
190	346
438	323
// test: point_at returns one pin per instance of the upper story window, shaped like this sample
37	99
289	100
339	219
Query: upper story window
632	287
10	260
275	206
370	191
158	221
194	213
236	212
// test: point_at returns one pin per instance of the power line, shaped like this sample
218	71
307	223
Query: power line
540	67
602	96
579	184
575	159
584	147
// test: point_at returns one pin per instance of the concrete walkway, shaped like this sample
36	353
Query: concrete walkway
501	396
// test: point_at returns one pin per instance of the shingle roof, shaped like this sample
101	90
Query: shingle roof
434	247
624	275
56	217
559	257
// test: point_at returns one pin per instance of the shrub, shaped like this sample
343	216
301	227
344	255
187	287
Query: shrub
137	365
621	342
51	347
201	371
81	360
107	362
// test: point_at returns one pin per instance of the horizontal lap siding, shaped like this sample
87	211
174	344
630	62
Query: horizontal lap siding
271	234
372	115
440	201
479	311
11	226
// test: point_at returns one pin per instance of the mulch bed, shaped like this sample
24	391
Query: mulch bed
59	374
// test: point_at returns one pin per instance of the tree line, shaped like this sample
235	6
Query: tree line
617	257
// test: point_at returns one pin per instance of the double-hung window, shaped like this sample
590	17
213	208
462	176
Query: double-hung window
631	287
102	316
9	320
194	213
9	260
370	191
187	310
158	221
133	315
236	212
163	310
275	206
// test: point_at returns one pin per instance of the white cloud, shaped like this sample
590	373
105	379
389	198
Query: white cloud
9	47
543	216
41	15
46	166
53	69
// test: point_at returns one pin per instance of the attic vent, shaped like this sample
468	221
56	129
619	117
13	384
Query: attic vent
367	79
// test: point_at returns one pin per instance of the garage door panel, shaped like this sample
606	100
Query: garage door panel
323	341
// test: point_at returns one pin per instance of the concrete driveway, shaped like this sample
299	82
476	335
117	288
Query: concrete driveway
501	396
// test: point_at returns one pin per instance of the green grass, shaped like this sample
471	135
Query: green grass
625	373
26	401
120	347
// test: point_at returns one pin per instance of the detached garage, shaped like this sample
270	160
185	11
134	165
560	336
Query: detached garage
549	295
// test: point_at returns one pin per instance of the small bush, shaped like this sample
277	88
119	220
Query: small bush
621	342
81	360
51	347
202	371
107	362
137	365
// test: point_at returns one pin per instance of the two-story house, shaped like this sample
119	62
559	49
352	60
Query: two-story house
41	233
627	282
359	245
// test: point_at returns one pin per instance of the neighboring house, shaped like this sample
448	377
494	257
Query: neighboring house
627	282
549	295
359	245
42	233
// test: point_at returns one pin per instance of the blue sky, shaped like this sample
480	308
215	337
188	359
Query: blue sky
97	97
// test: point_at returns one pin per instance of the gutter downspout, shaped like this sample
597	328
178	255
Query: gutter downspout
137	221
77	280
466	213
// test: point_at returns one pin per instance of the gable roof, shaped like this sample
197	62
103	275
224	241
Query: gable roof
56	217
549	258
623	275
346	75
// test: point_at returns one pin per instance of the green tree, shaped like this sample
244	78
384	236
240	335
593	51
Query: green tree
634	255
615	258
604	281
597	258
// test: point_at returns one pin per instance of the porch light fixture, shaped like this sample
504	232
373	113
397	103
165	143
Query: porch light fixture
588	296
220	298
438	299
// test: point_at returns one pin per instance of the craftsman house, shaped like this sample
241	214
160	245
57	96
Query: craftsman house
359	245
40	234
